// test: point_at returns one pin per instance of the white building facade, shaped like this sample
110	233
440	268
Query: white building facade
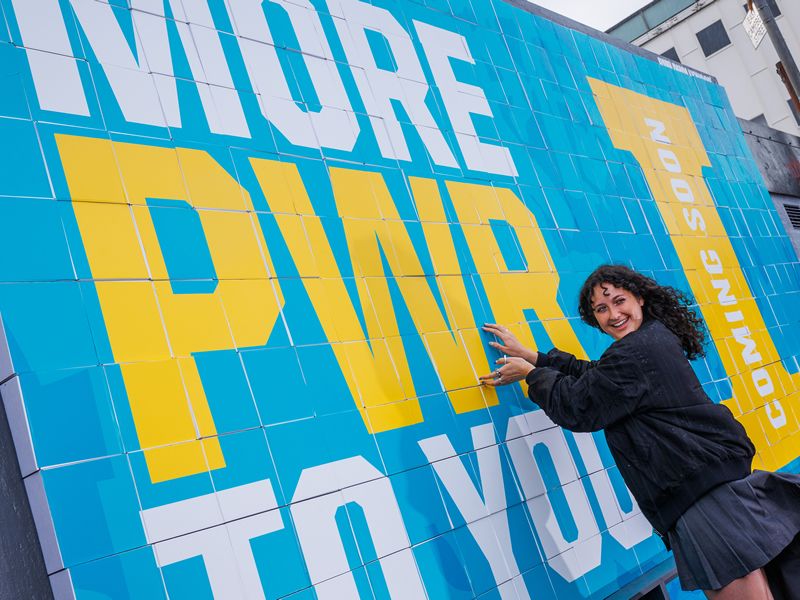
708	35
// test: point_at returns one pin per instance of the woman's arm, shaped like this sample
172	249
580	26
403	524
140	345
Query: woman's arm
509	345
565	362
601	396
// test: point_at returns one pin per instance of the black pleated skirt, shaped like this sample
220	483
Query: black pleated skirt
736	528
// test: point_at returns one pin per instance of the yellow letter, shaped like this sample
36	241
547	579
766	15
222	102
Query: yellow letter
152	330
377	376
637	123
511	292
377	372
371	224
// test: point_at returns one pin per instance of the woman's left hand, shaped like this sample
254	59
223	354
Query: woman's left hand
511	369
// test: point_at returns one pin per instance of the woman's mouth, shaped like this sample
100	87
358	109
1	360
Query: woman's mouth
620	324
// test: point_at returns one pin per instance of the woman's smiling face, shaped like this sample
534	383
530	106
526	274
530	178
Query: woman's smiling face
617	311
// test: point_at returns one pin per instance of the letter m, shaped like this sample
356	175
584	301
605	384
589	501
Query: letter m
749	353
140	74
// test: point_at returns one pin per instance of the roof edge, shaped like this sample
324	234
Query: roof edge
608	39
633	14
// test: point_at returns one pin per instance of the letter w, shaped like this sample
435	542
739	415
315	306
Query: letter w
372	355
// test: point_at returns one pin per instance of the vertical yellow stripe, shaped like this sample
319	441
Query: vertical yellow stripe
665	141
151	329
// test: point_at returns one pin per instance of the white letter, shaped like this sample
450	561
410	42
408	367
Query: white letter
682	190
54	70
332	126
734	316
379	87
569	559
763	382
778	420
628	528
657	129
723	296
131	78
450	470
462	100
143	84
219	528
58	84
749	354
694	219
711	261
669	160
315	523
203	48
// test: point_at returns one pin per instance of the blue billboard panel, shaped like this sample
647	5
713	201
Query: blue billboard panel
248	251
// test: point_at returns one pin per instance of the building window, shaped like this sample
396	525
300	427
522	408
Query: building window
671	54
793	110
776	12
713	38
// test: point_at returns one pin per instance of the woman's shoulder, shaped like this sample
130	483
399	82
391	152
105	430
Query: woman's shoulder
652	335
649	330
656	345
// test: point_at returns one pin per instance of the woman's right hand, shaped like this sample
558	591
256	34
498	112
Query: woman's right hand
510	345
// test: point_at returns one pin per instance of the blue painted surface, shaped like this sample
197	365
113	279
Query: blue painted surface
285	407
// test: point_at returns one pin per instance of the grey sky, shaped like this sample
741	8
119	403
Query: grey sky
600	14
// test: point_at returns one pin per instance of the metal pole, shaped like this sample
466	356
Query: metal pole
789	87
785	56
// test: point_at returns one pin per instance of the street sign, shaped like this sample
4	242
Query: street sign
754	27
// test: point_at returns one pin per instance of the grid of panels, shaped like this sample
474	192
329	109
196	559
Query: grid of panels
246	365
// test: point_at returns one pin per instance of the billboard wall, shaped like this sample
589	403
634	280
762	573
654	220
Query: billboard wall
248	249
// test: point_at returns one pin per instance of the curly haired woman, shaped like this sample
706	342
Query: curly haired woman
687	461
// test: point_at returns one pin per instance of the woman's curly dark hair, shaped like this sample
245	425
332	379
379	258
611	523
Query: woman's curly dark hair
668	305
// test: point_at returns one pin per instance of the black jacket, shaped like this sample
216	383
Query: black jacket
671	443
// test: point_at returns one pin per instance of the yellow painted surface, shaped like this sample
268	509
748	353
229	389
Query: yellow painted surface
377	376
511	292
115	243
377	372
149	326
157	396
105	184
665	141
374	225
147	322
457	360
133	321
